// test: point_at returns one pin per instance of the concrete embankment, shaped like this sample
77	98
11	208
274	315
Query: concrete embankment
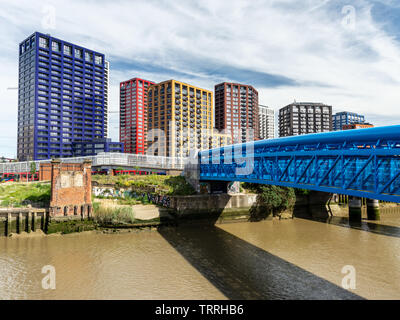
218	208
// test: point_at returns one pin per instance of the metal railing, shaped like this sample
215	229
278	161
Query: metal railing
105	159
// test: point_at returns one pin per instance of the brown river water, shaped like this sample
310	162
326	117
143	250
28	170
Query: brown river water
287	259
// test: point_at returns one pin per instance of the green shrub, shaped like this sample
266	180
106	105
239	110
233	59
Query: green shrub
179	186
271	200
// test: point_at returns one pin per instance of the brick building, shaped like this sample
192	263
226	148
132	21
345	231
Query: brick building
236	111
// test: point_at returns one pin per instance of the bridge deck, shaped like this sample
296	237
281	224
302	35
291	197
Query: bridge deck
106	159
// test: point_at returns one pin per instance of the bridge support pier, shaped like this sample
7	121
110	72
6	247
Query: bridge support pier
355	209
373	209
342	199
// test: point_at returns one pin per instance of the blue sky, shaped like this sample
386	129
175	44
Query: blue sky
342	53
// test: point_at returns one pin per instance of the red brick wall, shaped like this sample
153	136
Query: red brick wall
71	189
45	172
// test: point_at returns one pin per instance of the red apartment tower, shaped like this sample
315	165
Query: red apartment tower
133	115
236	111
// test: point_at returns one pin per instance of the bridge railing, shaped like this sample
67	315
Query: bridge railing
105	159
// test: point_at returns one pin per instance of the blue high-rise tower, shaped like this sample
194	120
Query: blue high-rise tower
341	118
62	97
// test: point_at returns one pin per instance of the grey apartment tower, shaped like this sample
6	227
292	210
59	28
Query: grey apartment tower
304	117
267	122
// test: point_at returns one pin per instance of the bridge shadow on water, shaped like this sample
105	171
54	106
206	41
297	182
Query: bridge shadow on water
241	270
364	225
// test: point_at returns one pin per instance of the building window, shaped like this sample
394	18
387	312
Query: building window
43	43
67	50
55	46
78	53
88	57
98	59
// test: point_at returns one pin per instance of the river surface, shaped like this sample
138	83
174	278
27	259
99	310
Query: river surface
287	259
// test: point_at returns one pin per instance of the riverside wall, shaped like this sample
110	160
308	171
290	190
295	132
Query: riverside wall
20	220
215	207
27	220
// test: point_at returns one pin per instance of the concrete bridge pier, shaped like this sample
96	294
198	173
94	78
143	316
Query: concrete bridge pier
355	205
373	209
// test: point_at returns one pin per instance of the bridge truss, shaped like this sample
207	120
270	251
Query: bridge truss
361	163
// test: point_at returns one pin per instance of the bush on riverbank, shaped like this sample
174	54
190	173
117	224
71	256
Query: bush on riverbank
22	194
270	200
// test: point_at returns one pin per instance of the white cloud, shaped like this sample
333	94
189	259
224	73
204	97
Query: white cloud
355	70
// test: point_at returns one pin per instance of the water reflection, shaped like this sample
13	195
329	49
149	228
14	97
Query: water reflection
241	270
378	227
288	259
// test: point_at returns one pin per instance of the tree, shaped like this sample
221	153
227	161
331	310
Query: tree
271	200
33	169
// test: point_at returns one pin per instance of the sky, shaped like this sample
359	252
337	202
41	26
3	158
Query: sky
341	53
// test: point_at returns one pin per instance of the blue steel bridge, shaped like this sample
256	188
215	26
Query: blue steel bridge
361	163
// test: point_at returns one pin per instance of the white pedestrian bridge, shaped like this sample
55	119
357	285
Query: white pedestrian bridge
106	160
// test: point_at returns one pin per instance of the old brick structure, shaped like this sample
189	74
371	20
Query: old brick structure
45	172
71	189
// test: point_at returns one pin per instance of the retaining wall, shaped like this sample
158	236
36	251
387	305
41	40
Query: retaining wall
22	220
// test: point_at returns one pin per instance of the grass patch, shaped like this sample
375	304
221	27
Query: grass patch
165	185
105	215
134	201
22	194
